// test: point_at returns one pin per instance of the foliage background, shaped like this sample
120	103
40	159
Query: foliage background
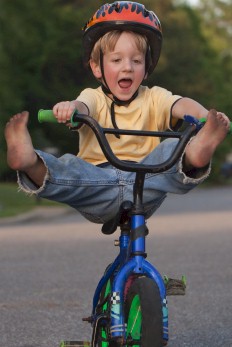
41	61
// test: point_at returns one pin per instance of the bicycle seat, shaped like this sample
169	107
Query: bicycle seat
121	217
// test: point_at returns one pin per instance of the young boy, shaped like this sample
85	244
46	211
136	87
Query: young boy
122	44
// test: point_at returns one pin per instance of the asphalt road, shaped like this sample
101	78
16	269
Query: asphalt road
50	264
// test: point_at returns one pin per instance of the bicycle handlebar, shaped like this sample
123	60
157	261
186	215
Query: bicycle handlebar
184	136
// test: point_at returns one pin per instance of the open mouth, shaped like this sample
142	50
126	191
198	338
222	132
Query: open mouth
125	83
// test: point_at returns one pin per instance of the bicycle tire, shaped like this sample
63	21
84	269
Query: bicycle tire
143	314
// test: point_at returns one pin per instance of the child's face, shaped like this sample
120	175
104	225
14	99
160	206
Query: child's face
124	67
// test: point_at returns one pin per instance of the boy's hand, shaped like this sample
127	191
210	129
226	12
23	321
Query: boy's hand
64	110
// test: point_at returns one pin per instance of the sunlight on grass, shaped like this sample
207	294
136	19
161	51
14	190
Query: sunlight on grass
13	202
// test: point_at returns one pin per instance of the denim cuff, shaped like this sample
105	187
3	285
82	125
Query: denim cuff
196	175
27	185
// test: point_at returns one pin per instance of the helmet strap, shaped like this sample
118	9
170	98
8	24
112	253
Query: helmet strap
147	61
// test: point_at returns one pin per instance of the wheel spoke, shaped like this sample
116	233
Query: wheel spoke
134	322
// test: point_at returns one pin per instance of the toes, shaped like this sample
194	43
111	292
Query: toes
223	119
20	116
17	120
213	112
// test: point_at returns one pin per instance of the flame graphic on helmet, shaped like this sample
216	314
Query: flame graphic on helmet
124	11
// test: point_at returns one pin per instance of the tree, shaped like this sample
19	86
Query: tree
217	19
193	63
40	63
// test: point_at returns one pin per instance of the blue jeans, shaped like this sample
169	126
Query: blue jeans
98	192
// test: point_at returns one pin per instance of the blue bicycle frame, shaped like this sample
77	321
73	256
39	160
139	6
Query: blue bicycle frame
130	261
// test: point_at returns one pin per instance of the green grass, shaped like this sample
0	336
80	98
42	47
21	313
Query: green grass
13	202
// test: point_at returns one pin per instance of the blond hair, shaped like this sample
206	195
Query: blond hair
107	43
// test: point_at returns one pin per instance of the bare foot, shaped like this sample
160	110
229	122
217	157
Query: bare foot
20	152
201	149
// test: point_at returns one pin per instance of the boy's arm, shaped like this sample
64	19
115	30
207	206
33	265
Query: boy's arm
187	106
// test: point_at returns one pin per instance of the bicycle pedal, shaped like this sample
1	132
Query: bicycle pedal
74	344
87	319
175	286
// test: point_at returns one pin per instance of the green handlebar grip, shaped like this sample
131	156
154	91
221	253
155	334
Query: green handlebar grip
74	124
202	120
48	116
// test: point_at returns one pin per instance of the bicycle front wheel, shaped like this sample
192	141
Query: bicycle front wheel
143	313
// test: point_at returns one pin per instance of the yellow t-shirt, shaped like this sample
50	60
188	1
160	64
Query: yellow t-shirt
150	110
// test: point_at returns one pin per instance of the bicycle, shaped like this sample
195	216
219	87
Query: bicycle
130	302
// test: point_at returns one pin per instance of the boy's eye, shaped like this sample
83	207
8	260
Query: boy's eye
138	60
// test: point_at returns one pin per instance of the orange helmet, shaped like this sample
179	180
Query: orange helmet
124	15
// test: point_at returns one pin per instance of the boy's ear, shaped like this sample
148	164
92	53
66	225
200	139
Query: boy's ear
96	70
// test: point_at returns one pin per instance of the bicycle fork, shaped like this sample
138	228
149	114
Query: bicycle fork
135	265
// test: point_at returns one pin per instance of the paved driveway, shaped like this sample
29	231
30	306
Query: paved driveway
50	265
